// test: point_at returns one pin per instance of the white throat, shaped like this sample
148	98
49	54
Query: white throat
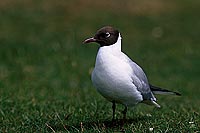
115	47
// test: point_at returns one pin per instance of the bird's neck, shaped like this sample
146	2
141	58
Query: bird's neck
115	47
106	53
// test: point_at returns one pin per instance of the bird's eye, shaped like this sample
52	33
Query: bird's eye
107	34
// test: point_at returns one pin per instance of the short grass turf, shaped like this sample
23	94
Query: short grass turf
45	70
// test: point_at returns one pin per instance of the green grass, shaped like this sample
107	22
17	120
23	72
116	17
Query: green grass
45	70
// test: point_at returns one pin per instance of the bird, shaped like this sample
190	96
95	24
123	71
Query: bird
118	78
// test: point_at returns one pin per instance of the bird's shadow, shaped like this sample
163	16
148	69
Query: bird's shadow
101	124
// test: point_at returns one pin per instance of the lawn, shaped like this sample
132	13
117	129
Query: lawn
45	69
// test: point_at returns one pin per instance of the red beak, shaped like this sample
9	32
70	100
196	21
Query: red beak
89	40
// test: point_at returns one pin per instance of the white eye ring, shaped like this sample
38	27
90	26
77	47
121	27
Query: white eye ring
107	34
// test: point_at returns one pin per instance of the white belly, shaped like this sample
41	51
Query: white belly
112	79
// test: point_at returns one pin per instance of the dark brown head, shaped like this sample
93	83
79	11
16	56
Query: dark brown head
105	36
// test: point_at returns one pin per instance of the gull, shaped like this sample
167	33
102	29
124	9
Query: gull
116	77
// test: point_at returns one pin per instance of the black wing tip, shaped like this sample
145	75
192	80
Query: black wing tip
178	94
155	88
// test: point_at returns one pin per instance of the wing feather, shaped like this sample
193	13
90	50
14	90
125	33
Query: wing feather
140	80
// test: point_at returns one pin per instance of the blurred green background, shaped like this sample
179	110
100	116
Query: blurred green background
45	69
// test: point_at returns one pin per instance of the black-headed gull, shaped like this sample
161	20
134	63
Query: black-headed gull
116	77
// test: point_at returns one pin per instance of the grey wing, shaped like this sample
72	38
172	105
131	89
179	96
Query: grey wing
140	80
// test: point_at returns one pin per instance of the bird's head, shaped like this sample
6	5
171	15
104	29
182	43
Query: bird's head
105	36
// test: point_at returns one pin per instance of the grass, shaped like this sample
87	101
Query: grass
45	70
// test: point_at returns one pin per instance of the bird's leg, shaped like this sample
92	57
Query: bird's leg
124	113
113	107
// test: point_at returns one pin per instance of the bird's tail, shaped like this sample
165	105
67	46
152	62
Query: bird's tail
158	90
